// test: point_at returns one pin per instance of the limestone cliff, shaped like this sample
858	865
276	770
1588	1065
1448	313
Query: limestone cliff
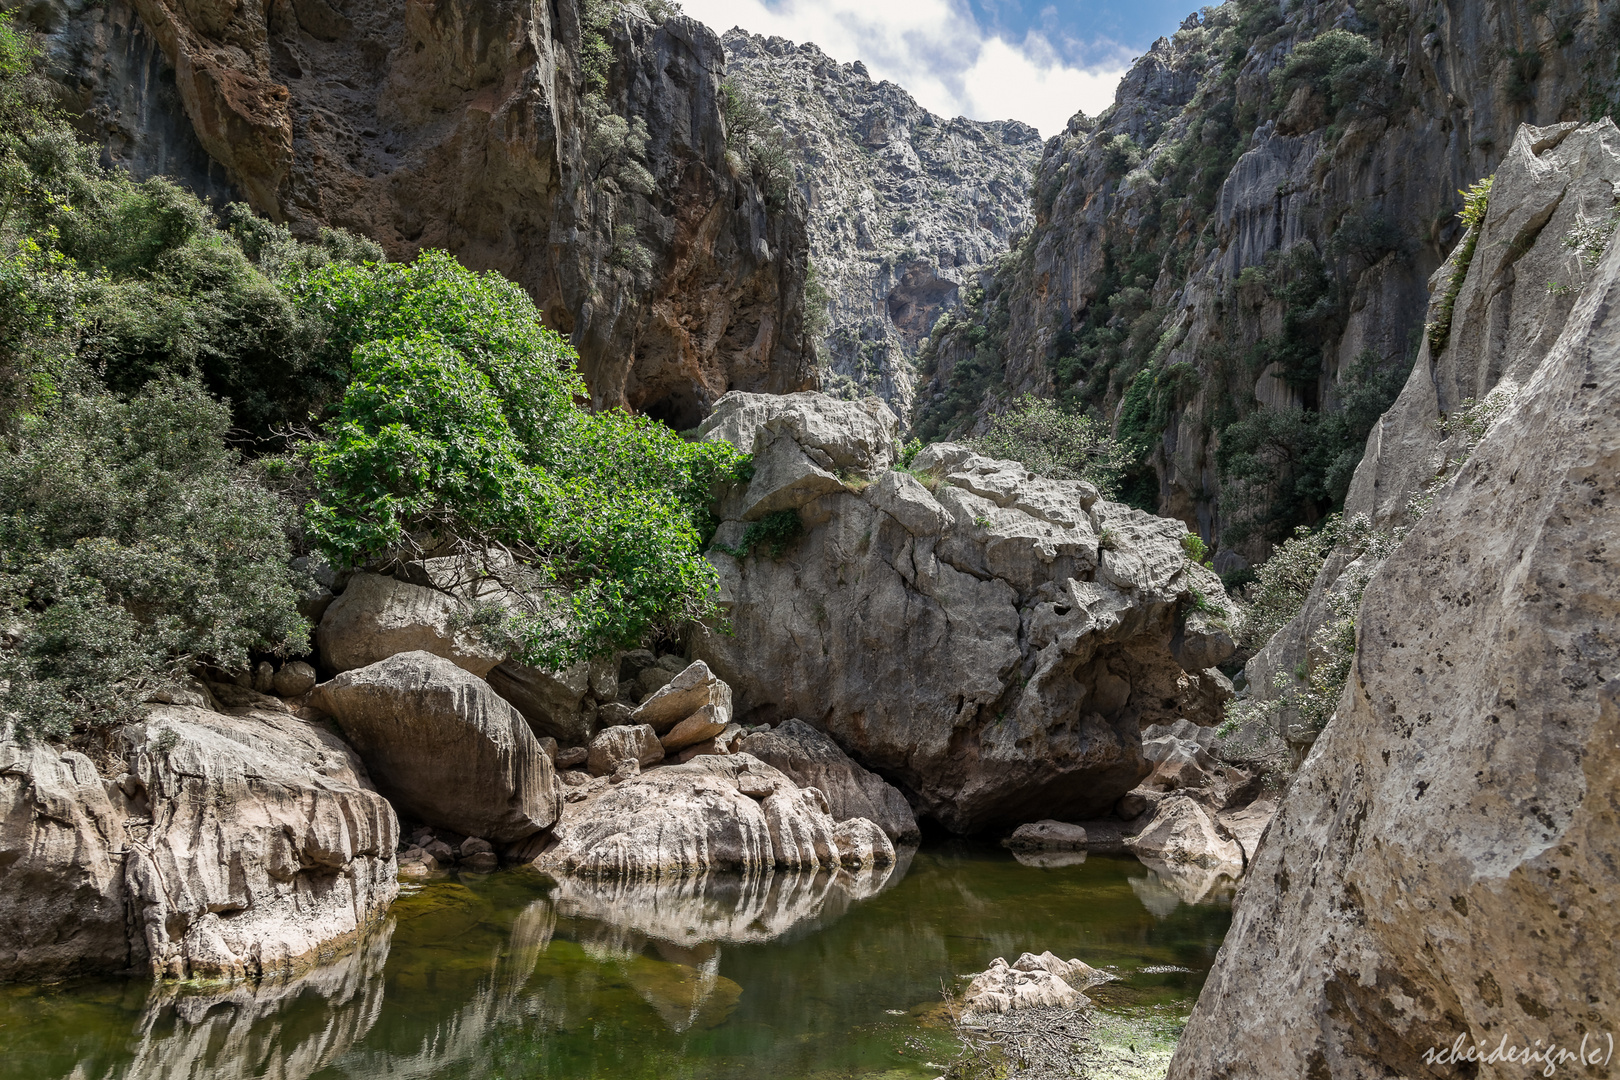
1441	872
1230	263
907	209
991	641
578	148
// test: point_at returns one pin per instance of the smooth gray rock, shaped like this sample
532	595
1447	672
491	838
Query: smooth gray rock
378	617
982	646
632	742
444	747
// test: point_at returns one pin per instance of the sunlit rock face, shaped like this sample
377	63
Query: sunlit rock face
250	844
1447	847
990	641
466	126
906	209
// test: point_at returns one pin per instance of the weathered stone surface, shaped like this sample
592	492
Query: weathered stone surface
810	759
294	679
552	702
378	617
906	208
1047	836
684	819
694	689
694	729
1028	984
989	654
861	844
635	742
1182	832
1448	841
444	747
62	849
1504	322
263	818
466	126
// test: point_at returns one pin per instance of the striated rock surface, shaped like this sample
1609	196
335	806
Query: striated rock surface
1447	844
444	747
810	759
906	209
729	812
975	639
677	268
231	846
377	617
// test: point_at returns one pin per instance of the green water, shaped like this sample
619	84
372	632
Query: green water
512	975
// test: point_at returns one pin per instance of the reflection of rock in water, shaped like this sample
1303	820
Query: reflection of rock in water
725	908
1169	884
260	1029
1050	860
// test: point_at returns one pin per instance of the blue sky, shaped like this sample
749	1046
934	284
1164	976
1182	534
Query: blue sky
984	59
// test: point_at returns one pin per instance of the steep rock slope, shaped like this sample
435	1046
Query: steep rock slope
1442	866
1507	291
906	208
990	641
1230	263
601	185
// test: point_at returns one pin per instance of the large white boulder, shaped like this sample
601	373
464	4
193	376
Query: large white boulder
444	747
377	617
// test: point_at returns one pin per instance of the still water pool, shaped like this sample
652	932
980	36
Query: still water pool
513	975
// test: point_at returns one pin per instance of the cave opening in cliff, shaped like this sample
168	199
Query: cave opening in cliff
680	410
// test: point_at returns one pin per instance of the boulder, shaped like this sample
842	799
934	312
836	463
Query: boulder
693	689
729	741
294	679
552	702
1448	843
613	747
701	725
444	747
378	617
861	844
991	641
1182	831
730	812
810	759
1047	836
62	891
1004	988
230	846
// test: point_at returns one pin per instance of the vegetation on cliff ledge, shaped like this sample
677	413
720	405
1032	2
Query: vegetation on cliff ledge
188	403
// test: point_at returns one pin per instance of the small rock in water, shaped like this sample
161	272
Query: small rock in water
475	846
1047	835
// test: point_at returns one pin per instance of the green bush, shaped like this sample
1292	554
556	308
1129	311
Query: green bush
133	544
1056	442
461	428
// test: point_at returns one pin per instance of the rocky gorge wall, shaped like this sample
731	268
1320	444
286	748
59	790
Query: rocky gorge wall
579	149
991	641
906	209
1231	263
1440	871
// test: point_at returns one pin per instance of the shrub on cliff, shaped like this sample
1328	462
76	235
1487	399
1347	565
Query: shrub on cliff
1056	442
461	428
133	543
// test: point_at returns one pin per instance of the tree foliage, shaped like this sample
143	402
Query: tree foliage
460	427
1057	442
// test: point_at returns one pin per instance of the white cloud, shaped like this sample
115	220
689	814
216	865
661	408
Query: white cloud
937	50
